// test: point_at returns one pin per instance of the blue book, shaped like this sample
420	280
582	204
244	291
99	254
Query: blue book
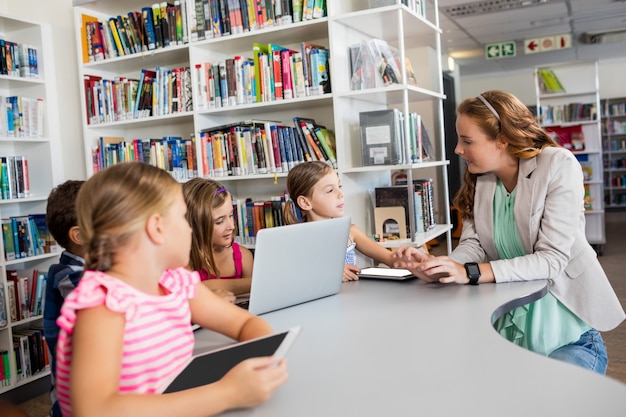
319	71
148	24
16	239
284	156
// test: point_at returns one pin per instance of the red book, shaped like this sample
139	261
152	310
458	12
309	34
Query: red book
91	97
97	43
285	58
278	74
309	137
33	290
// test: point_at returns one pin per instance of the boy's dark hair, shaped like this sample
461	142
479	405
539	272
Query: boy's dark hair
61	211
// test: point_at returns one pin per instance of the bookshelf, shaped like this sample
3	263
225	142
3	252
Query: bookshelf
614	148
571	111
36	137
343	24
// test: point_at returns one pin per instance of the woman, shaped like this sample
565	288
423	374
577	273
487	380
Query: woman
523	219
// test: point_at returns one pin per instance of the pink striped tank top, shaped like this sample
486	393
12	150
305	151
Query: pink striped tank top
158	339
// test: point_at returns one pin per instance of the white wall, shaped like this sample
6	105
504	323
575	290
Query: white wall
59	15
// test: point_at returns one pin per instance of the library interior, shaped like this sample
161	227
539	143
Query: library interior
243	91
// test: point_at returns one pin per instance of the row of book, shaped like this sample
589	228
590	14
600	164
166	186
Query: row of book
157	26
252	216
274	73
26	236
18	59
157	92
30	355
21	117
615	109
423	202
215	18
384	140
171	153
615	163
25	292
615	127
619	199
14	177
572	112
615	145
260	147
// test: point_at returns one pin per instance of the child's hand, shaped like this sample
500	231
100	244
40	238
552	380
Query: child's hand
407	255
254	380
415	261
226	295
350	273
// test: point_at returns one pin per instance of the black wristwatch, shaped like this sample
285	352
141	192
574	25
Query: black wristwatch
473	272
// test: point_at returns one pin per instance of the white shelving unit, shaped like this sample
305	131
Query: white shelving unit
581	84
346	22
45	170
614	148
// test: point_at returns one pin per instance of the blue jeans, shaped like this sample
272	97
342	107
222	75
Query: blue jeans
588	352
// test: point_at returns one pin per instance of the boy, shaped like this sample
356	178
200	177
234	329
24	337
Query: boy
64	276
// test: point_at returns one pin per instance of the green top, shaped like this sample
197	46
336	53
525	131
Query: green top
543	325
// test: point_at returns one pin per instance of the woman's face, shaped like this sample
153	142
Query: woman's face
481	153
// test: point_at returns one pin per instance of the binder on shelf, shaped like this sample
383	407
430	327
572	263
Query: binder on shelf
381	137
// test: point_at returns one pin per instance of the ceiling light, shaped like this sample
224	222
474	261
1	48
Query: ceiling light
488	6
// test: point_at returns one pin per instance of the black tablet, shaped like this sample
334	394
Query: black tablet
208	367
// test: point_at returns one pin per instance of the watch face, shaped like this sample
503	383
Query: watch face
472	269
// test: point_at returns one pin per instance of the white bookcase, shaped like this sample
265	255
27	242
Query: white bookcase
347	22
614	147
580	81
45	171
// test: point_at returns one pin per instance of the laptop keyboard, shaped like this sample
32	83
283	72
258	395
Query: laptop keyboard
245	304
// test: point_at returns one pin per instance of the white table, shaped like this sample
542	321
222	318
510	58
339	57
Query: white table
382	348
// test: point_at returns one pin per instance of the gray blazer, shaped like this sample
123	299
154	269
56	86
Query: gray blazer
550	219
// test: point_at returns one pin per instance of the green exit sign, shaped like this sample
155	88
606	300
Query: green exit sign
500	50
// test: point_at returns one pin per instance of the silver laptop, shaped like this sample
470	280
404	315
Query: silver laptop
298	263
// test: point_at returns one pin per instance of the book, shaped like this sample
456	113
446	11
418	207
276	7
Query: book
549	82
87	24
148	25
325	139
22	180
11	296
381	137
3	307
320	79
306	48
259	52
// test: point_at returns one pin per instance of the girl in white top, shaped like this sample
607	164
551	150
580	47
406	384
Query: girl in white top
315	192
